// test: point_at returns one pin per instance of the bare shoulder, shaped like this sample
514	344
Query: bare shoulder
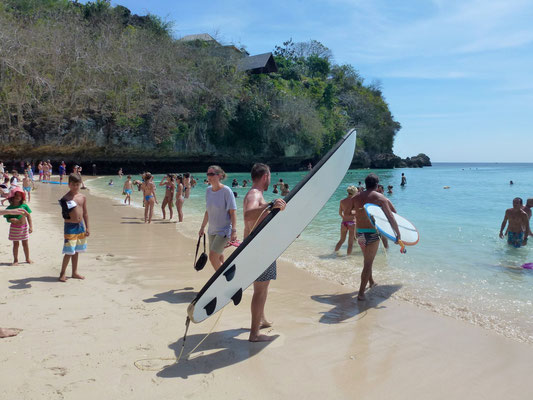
80	198
253	198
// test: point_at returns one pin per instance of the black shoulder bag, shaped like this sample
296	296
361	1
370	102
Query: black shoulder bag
202	260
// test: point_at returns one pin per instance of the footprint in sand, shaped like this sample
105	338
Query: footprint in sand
60	371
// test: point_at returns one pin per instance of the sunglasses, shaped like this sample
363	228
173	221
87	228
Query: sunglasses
212	173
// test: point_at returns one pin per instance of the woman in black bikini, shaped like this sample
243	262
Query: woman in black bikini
168	182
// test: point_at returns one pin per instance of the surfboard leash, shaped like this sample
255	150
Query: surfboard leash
177	359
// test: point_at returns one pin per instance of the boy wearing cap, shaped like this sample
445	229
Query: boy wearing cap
21	225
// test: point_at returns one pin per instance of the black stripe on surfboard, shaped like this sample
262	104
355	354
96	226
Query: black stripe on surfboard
229	262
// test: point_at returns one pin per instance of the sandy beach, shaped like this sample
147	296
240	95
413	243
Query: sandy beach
116	334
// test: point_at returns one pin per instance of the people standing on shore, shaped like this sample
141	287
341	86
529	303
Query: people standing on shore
20	225
94	169
170	187
180	199
186	185
29	170
255	209
40	168
8	332
148	189
220	214
404	180
2	169
518	221
348	220
120	173
127	190
62	171
27	185
76	227
367	235
14	181
77	171
50	168
46	169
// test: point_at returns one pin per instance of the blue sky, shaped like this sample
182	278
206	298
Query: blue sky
456	74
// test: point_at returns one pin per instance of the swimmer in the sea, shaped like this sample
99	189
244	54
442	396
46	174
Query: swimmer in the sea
518	224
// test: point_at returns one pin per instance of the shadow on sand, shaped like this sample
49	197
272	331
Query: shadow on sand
220	349
178	296
346	305
25	283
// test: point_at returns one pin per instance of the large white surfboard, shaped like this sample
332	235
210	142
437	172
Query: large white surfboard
408	231
275	233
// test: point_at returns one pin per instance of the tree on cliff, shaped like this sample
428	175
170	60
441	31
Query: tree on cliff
92	75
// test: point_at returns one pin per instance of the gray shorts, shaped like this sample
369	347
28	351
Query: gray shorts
270	274
217	243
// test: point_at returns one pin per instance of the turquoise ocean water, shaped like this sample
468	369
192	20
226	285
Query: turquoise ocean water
460	268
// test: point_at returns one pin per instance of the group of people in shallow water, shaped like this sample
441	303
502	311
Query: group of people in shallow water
177	189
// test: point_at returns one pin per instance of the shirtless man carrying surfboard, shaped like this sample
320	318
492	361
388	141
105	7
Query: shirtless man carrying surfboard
367	235
255	209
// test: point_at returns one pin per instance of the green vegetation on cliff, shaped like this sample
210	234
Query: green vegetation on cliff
98	77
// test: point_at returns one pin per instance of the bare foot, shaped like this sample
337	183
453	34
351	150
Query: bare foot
16	262
265	324
78	276
373	284
4	332
262	338
361	297
62	278
29	261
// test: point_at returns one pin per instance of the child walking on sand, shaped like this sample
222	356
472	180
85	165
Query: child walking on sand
128	190
21	226
76	230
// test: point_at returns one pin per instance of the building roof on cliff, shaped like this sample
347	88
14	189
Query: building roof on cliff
258	64
205	37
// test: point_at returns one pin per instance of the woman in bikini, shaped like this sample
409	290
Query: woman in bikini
148	189
179	197
169	183
348	220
